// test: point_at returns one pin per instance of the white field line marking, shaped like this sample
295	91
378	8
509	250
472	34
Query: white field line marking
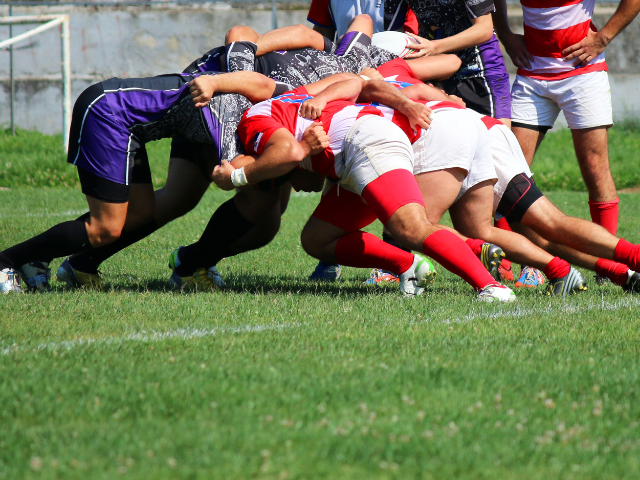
67	213
153	336
518	311
188	333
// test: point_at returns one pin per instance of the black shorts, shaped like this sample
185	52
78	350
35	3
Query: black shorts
112	192
543	129
201	154
520	194
488	95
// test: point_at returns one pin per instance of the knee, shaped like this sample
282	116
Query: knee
103	234
240	33
308	241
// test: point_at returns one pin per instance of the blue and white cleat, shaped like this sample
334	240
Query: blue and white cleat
326	272
77	279
496	293
421	274
9	281
530	278
37	276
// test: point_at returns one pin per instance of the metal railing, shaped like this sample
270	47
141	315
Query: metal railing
48	22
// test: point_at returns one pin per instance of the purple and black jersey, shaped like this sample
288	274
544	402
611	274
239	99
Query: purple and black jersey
113	120
291	69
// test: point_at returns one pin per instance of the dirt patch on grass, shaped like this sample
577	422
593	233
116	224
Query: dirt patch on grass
630	190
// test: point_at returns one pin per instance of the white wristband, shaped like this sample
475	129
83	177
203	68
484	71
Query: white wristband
364	77
238	178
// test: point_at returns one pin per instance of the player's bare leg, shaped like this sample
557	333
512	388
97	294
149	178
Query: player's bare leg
529	140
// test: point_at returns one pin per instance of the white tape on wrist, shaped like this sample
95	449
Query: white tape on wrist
364	77
238	178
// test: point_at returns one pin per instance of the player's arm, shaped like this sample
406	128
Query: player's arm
480	32
281	154
255	86
382	92
596	42
347	89
513	43
289	38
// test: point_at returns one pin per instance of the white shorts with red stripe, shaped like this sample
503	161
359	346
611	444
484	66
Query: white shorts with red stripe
584	99
373	146
455	139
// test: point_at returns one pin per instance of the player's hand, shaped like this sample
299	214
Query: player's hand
221	175
458	100
517	49
312	108
202	89
424	47
315	140
372	73
587	49
418	114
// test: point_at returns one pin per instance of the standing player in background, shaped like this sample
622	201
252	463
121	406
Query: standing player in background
561	66
332	17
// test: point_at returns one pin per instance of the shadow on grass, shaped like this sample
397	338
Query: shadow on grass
257	284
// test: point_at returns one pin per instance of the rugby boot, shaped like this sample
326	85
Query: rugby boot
601	280
77	279
572	283
495	292
505	271
633	283
379	277
202	279
421	274
491	257
529	277
9	281
37	276
326	272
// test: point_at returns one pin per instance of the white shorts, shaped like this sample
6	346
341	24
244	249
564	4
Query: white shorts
372	147
584	99
508	160
455	139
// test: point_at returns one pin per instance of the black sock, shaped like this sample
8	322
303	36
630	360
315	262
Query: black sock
82	218
89	260
386	237
227	225
64	239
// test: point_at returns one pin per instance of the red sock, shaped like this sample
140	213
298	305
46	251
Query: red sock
557	268
363	250
627	253
614	271
475	245
502	224
605	214
453	254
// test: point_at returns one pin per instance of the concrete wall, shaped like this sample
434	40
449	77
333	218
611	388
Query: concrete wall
146	41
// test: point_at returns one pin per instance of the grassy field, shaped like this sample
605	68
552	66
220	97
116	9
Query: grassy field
280	378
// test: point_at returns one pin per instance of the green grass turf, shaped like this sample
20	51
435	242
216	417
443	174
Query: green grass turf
36	160
281	378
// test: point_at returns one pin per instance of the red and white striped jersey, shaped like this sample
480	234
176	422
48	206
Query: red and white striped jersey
550	26
265	118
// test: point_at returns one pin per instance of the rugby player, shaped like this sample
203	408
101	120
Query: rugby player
370	153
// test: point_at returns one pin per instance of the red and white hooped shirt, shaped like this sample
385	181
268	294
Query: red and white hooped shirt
264	118
550	26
